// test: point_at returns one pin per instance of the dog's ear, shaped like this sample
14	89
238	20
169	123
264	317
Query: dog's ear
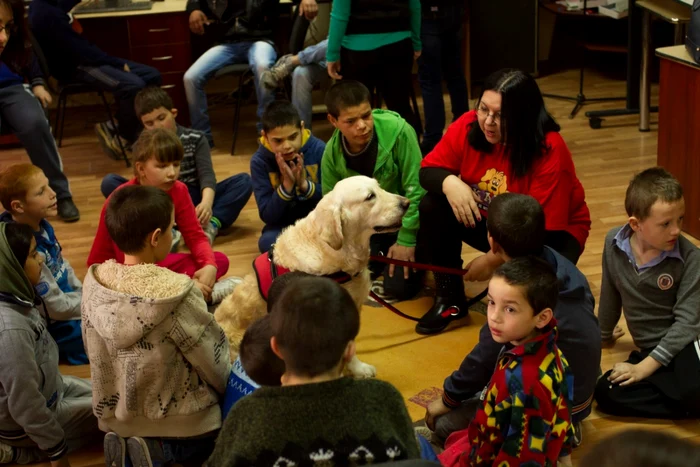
330	224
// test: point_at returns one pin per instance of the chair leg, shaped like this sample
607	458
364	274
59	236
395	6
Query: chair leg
114	125
237	114
63	120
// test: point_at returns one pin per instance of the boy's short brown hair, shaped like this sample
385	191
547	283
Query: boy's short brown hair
648	187
133	212
516	223
14	181
537	279
152	98
159	144
313	321
259	361
345	94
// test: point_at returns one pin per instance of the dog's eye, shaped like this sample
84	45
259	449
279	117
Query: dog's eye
370	196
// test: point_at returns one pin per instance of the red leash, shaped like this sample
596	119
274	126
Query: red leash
424	267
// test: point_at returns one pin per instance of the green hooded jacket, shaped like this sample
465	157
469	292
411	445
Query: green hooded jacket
396	169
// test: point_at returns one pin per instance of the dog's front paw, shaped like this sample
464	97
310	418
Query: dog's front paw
361	370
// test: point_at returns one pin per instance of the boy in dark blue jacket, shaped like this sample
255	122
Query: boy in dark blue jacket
71	57
516	228
285	170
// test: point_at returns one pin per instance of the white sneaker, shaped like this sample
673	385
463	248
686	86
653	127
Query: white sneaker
6	453
224	288
177	237
211	231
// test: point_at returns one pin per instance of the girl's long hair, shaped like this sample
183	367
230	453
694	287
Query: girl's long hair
525	121
18	50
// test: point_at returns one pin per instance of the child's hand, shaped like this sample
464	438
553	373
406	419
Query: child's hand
286	172
206	277
126	68
206	291
204	212
617	333
481	268
402	253
43	95
436	409
625	373
300	173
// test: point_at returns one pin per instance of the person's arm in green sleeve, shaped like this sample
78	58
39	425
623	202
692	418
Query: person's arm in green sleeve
329	174
340	14
416	18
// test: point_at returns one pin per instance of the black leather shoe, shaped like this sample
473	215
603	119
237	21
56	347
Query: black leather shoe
443	312
67	210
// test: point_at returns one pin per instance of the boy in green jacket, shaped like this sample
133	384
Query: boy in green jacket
379	144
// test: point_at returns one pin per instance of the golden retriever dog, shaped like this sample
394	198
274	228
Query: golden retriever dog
333	237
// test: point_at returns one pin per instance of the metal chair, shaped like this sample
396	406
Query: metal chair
67	89
242	70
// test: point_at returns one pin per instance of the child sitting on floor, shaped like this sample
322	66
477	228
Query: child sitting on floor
257	365
157	157
652	273
525	414
158	358
285	170
316	414
43	415
217	204
28	199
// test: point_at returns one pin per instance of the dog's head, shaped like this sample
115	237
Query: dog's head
356	209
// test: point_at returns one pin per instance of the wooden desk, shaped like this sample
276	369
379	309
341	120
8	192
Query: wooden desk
679	120
159	37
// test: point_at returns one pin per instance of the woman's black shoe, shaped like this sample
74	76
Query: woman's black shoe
443	312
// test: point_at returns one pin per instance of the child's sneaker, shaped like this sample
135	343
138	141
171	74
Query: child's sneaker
145	452
115	450
211	230
7	453
177	237
278	72
224	288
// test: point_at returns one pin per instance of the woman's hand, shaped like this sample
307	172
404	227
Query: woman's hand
462	199
334	70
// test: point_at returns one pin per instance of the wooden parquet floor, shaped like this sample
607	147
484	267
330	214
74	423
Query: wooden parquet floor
605	160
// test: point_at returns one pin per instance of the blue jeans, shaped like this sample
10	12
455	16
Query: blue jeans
441	58
124	86
306	76
231	195
259	55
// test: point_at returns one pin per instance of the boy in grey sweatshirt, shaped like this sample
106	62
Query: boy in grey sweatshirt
652	273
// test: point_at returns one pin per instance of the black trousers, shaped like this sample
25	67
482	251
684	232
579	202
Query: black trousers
440	236
672	392
397	286
387	70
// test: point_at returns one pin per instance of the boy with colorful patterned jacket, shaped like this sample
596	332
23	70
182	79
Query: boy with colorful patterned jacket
525	412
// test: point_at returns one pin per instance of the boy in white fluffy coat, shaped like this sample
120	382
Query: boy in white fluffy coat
159	361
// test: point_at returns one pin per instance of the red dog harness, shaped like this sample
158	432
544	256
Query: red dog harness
267	271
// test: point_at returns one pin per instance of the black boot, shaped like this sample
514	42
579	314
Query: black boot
450	304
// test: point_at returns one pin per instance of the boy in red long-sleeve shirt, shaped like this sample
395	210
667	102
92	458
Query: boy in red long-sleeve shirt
157	157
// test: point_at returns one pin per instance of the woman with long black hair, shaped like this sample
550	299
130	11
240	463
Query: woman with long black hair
23	97
509	143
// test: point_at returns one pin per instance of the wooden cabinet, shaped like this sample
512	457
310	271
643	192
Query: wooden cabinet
160	40
679	120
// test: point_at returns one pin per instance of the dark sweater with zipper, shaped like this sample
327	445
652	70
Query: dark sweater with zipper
339	422
64	48
237	20
579	341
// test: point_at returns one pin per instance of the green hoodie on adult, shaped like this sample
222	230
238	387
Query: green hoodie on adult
396	169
